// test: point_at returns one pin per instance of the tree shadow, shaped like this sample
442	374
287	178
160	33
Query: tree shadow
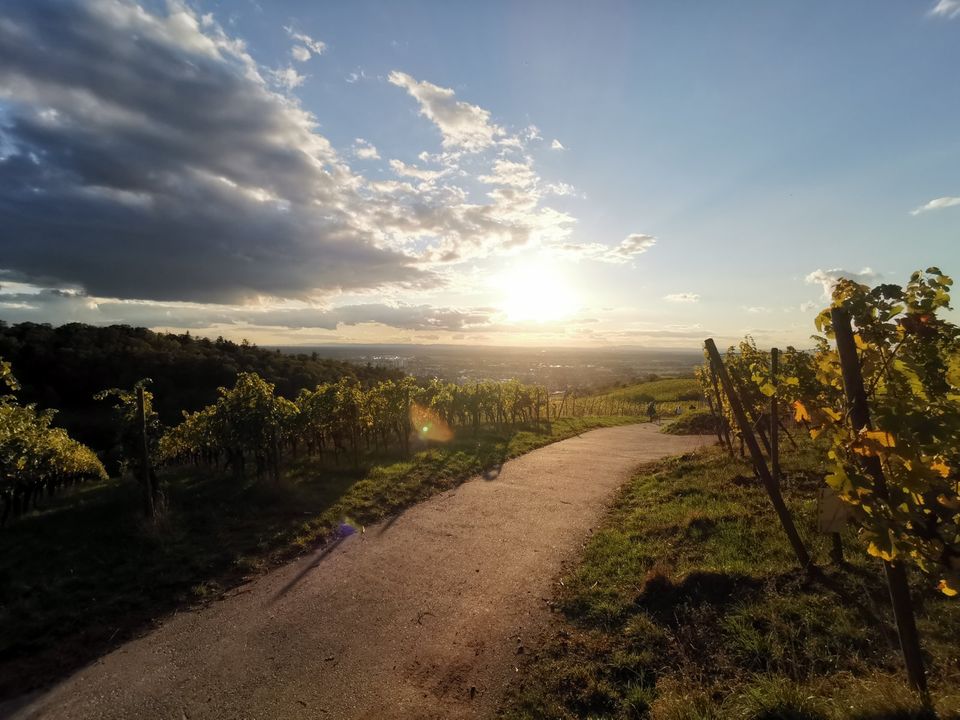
661	596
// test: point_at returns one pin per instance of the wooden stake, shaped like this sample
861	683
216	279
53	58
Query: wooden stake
895	572
760	465
774	417
716	392
148	507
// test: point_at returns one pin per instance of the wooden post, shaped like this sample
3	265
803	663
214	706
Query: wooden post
760	465
724	441
148	507
716	392
774	417
895	572
755	421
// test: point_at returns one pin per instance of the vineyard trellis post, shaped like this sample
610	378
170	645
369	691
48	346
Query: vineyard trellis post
149	507
896	574
774	416
760	464
716	392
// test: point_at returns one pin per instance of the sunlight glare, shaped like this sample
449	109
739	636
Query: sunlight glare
537	292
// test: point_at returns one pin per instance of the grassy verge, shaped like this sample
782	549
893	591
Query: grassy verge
83	574
687	603
692	422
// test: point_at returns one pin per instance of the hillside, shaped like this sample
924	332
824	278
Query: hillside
63	367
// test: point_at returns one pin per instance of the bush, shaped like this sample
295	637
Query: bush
693	422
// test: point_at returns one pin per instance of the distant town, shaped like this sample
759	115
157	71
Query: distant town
555	368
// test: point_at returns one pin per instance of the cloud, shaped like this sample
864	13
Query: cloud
79	307
808	306
515	174
287	78
308	45
827	279
461	124
404	170
356	76
627	250
757	310
684	297
364	150
148	157
631	246
946	8
939	203
556	145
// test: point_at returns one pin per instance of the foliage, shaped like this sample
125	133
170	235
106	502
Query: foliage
64	367
36	457
250	420
693	422
910	360
909	356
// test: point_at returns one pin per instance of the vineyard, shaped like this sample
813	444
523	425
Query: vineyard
247	482
880	396
807	566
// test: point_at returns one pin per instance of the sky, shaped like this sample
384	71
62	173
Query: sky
497	173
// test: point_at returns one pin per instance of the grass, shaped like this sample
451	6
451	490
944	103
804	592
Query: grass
84	573
692	422
666	390
688	603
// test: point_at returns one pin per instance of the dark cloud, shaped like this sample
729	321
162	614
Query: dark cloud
146	157
68	306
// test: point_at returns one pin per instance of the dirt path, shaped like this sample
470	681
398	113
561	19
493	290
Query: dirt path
419	617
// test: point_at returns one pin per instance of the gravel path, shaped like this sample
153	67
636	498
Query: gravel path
422	616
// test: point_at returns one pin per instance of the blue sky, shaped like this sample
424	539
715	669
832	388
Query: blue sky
544	173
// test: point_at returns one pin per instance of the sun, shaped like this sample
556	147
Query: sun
536	292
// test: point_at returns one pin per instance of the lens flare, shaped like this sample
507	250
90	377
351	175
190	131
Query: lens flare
429	425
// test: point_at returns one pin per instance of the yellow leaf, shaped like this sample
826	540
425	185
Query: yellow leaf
861	343
876	551
880	436
939	466
833	414
946	589
800	412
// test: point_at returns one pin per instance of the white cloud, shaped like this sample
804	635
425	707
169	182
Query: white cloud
506	172
631	246
557	145
356	76
808	306
938	204
404	170
684	297
308	43
217	188
365	150
287	78
461	124
946	8
827	279
300	53
757	310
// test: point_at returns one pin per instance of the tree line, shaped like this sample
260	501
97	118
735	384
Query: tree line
65	367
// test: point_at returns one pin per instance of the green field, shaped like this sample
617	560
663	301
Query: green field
688	603
666	390
84	573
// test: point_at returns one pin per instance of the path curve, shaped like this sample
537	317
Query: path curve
419	617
